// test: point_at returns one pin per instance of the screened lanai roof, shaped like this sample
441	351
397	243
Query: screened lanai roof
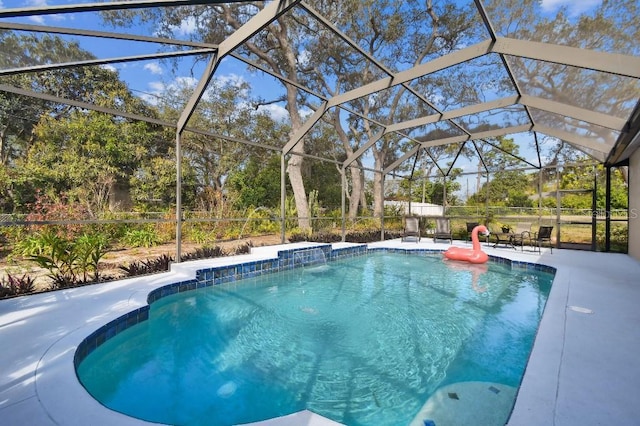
457	77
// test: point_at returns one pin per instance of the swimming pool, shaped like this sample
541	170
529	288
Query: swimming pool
364	340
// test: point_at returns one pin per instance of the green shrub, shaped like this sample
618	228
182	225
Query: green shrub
198	236
90	249
31	245
146	237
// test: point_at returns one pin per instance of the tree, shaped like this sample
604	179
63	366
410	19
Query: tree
277	48
611	27
225	110
431	190
27	123
85	156
579	178
257	183
19	114
153	184
398	35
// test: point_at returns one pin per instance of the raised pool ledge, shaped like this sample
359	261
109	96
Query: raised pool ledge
235	271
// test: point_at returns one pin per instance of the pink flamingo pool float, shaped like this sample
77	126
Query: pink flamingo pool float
472	255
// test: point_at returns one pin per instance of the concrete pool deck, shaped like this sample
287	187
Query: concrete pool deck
584	368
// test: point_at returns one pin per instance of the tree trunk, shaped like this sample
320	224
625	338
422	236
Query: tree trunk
479	177
378	179
294	165
294	170
357	189
3	148
120	196
363	194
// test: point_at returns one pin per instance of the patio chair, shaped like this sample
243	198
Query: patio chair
411	228
470	226
542	236
443	230
521	234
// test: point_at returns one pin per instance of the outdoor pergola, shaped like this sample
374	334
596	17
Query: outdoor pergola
515	71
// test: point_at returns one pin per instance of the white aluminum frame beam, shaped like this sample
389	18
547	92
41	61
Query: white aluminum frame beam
103	34
573	138
402	159
266	16
611	63
362	149
582	114
137	117
93	62
570	111
456	113
97	7
478	135
311	121
83	105
421	70
371	59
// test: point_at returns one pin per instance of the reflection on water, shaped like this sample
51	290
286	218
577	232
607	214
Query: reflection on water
365	342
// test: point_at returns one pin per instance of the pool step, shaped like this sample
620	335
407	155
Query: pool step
467	403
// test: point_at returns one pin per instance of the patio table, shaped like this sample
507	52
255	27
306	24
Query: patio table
504	238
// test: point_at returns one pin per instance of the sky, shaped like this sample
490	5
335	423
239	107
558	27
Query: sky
574	7
150	78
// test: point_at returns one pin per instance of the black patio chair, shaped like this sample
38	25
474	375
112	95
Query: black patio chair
411	228
542	236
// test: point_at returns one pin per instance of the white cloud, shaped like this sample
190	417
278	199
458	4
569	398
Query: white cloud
276	112
305	113
37	19
186	27
157	86
184	82
40	20
36	3
109	67
153	67
574	7
303	57
231	79
160	88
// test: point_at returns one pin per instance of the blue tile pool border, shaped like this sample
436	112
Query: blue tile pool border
286	260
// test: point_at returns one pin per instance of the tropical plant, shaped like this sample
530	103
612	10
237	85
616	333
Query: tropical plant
13	286
90	248
203	253
149	266
70	262
243	248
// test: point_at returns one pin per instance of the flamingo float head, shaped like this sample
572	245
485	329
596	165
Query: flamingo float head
482	229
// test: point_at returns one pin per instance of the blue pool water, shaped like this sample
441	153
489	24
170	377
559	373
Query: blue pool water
362	341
